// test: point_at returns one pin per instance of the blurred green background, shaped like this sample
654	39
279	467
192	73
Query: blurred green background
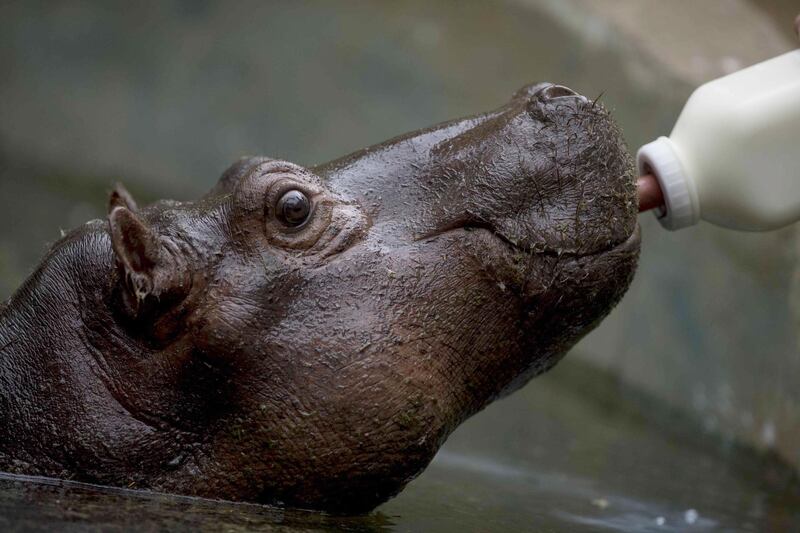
163	96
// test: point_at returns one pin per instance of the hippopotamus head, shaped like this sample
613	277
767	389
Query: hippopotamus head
311	336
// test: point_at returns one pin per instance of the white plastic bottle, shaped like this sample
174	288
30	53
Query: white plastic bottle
733	158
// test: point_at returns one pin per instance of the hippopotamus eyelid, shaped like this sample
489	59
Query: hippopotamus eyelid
273	166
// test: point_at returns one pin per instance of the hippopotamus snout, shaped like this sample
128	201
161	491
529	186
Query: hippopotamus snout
548	171
577	164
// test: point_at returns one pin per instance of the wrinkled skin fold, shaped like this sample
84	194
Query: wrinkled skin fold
311	336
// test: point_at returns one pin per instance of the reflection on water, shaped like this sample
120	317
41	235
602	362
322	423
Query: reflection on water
573	451
41	504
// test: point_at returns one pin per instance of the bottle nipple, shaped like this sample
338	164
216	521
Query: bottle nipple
649	191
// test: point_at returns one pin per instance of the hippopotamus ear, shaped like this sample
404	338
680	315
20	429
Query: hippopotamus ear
148	269
120	197
137	250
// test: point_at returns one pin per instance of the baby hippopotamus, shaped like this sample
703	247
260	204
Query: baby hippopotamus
309	337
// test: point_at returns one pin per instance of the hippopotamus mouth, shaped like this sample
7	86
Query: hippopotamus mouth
631	242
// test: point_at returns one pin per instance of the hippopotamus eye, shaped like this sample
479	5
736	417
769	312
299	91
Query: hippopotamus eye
293	208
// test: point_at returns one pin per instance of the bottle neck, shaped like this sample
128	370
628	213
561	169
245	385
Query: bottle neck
680	207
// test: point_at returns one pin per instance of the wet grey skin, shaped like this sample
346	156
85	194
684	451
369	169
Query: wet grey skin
309	337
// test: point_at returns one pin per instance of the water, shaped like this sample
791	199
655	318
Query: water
573	451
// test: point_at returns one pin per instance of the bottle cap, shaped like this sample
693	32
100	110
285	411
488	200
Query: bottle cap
680	208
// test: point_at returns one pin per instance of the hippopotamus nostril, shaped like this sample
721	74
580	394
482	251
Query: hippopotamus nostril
551	92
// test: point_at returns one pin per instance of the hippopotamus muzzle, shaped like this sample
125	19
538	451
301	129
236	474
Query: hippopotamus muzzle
311	336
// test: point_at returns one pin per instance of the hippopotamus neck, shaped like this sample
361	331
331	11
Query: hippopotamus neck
41	323
45	355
